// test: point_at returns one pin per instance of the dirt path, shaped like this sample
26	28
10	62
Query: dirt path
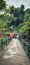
14	54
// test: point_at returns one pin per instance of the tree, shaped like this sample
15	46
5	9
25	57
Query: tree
12	9
21	13
16	12
27	15
2	4
22	7
24	30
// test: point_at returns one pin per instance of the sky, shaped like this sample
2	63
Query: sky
17	3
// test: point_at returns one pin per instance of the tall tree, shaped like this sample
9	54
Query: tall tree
12	9
21	13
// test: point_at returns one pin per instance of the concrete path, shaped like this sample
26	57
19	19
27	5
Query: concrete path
14	54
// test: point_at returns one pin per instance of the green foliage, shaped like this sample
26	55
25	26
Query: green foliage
27	14
15	18
25	29
2	25
2	4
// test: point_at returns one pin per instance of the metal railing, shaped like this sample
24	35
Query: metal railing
26	46
4	43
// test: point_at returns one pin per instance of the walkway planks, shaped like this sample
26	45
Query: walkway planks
14	54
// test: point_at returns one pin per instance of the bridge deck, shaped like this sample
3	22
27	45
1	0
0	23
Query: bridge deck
14	54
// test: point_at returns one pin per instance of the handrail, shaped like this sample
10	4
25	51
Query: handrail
4	43
26	46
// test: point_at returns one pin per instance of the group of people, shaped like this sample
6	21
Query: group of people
12	35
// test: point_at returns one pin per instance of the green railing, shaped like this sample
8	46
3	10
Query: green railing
26	46
4	43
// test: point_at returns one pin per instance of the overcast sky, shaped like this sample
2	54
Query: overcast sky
17	3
